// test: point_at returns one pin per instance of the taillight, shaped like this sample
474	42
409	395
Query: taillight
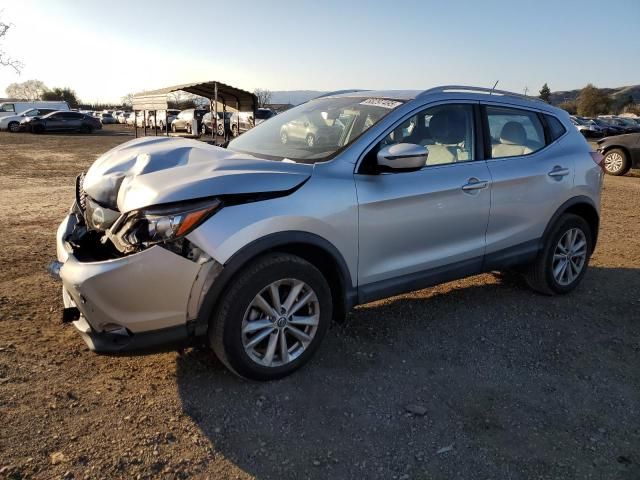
597	158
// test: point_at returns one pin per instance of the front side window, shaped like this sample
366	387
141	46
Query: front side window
514	132
8	107
446	131
314	131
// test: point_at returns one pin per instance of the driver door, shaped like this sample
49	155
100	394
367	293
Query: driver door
418	228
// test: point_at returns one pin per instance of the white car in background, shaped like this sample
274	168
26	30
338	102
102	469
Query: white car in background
12	122
162	118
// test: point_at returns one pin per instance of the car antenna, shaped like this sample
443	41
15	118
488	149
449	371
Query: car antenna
494	87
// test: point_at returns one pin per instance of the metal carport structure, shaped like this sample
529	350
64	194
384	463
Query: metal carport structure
216	92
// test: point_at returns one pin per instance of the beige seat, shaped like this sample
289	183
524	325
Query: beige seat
513	141
447	127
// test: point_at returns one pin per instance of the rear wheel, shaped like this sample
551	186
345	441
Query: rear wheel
221	130
234	130
616	162
564	258
173	127
37	129
311	141
14	127
272	318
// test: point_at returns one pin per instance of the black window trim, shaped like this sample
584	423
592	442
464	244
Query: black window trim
478	144
487	132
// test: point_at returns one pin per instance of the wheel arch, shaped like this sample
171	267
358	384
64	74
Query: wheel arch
582	206
625	149
312	248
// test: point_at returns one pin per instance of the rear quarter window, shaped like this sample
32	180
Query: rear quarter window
555	127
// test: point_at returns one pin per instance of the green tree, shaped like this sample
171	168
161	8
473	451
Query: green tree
65	94
545	93
592	102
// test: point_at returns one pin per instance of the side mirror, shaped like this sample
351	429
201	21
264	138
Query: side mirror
403	156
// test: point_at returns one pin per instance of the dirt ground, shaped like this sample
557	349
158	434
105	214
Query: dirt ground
478	378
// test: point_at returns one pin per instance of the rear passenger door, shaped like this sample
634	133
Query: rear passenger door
531	177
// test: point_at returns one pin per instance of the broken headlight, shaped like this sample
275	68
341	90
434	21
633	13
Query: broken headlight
150	226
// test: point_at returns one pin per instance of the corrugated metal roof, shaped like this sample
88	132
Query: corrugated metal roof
157	99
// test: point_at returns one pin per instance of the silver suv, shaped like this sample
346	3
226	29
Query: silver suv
257	247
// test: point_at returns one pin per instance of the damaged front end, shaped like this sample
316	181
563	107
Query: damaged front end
132	281
103	233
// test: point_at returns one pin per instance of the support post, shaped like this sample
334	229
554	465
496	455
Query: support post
135	122
214	113
144	122
155	121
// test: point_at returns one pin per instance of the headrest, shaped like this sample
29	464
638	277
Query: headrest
447	127
513	134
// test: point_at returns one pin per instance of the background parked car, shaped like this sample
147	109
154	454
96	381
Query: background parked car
107	118
246	122
183	121
12	122
263	114
586	127
608	129
220	126
621	153
162	118
65	122
623	126
122	117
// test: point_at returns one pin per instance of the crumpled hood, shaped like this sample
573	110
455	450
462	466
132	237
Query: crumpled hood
155	170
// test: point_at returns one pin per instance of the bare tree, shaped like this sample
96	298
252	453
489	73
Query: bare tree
264	97
127	100
29	90
5	59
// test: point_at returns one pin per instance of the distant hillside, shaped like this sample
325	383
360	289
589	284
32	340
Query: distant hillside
615	93
294	97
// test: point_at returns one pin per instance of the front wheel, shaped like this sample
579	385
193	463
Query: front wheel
616	162
14	127
221	130
563	260
234	131
272	318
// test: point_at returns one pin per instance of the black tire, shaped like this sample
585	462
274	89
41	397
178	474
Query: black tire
540	275
234	131
14	127
225	327
221	130
189	128
173	128
620	168
161	125
37	129
86	129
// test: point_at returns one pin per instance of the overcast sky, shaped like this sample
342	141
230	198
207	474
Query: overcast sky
106	49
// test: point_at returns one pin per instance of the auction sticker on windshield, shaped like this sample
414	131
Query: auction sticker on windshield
381	102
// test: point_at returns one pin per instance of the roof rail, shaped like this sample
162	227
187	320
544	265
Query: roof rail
485	90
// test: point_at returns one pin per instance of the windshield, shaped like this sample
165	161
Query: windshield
314	131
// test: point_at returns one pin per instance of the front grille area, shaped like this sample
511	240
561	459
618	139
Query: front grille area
81	196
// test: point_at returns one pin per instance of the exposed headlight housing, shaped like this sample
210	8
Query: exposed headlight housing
166	223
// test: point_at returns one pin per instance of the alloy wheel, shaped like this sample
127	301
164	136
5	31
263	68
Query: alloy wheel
569	256
280	322
613	162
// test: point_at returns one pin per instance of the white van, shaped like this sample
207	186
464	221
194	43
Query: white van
14	108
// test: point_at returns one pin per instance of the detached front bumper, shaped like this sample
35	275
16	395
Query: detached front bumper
138	301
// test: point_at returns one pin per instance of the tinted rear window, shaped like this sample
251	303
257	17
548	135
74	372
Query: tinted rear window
556	129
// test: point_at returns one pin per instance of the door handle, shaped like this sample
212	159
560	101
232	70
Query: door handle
475	184
558	172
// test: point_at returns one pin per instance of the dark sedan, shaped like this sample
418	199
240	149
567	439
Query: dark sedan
621	153
65	122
